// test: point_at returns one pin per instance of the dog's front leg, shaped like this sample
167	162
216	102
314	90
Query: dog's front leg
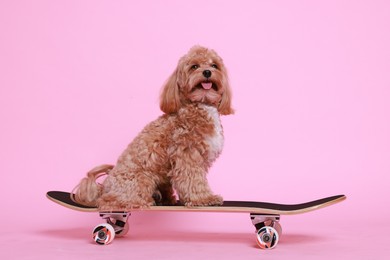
189	179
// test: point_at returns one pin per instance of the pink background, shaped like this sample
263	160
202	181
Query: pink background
311	85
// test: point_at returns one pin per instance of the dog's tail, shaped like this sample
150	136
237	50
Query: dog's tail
89	190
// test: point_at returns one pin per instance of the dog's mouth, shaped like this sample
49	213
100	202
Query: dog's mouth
206	91
207	85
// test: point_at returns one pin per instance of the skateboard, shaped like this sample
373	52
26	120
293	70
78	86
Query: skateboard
265	216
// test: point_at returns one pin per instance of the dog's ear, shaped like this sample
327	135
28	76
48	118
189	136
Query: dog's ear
225	106
169	98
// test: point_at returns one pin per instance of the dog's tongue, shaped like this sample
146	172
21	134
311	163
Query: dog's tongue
207	85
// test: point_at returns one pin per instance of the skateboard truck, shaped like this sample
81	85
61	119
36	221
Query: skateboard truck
267	226
268	229
116	226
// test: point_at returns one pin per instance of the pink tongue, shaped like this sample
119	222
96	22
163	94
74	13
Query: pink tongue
207	85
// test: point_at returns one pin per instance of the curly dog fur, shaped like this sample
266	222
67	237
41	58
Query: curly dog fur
174	152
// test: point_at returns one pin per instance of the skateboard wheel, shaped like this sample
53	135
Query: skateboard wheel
278	228
103	234
267	237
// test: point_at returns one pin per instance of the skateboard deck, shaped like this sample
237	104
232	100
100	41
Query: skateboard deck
265	216
64	199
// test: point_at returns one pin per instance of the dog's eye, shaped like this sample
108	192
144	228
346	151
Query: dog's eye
215	66
194	67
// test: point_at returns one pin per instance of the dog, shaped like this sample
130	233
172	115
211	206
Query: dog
171	156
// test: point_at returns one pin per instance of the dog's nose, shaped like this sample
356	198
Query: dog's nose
207	73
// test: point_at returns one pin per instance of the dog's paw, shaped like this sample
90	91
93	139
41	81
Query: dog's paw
212	200
140	205
215	200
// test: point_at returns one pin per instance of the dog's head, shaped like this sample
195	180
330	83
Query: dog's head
200	77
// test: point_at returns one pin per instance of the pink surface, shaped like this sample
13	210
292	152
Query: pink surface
311	84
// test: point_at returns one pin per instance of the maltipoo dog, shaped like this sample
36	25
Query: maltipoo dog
174	152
